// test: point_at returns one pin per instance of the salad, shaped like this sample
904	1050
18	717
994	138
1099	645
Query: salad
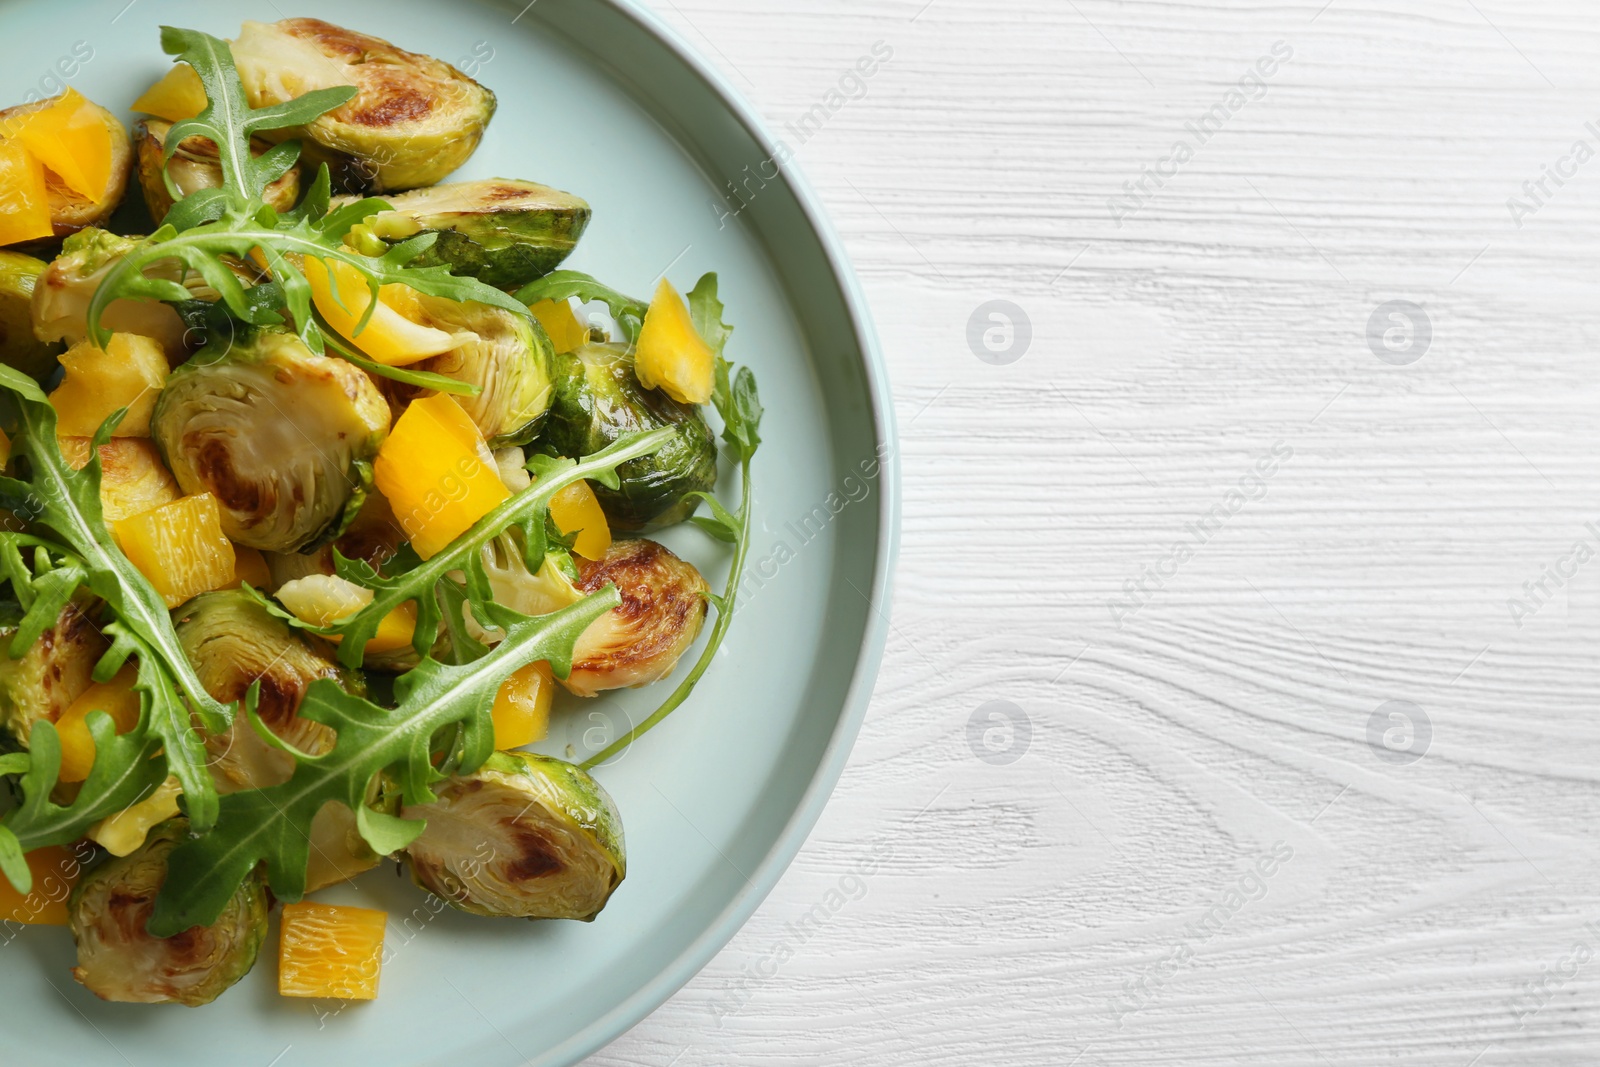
314	500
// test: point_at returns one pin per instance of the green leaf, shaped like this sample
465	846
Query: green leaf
721	523
563	284
525	512
272	825
705	311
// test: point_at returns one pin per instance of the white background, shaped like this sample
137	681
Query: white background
1013	903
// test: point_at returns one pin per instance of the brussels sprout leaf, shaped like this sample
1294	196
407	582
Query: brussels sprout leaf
272	825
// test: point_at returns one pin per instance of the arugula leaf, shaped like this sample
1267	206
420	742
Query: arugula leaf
524	511
705	312
229	121
67	503
739	404
272	825
561	284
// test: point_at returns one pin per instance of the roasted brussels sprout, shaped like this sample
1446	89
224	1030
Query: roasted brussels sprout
373	538
505	233
19	348
132	476
414	121
233	642
511	360
637	642
598	399
119	961
526	836
281	437
195	166
70	211
61	297
52	673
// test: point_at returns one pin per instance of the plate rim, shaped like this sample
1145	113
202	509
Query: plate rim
635	1008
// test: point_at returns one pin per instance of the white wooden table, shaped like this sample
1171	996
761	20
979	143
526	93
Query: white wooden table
1208	838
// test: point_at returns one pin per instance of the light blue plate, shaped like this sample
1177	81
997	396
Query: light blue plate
597	98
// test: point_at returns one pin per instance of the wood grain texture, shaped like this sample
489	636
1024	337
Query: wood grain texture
1093	902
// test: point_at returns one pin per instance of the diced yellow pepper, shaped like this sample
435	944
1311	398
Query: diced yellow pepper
576	510
177	96
672	356
71	139
560	324
180	547
123	833
116	698
24	203
324	599
391	336
55	871
250	566
437	473
330	951
522	707
129	372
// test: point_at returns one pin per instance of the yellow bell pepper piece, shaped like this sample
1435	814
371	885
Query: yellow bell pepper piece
123	833
116	698
250	566
392	336
55	871
71	139
522	707
24	203
560	324
129	372
437	473
577	511
672	356
330	951
180	547
177	96
324	599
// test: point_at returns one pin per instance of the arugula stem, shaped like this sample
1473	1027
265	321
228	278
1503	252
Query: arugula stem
725	607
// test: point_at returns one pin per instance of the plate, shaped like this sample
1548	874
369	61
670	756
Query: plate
601	99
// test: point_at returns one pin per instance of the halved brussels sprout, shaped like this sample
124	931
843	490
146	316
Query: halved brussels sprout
511	360
233	641
526	836
194	166
19	348
414	121
640	640
635	643
61	297
119	961
281	437
132	476
53	673
598	399
70	211
505	233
